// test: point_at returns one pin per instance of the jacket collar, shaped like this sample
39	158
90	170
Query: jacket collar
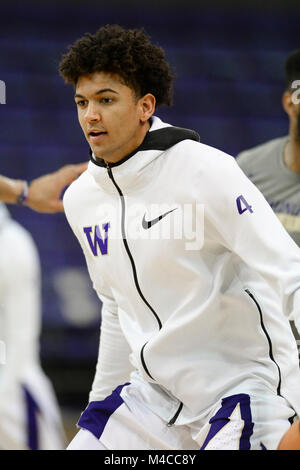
159	138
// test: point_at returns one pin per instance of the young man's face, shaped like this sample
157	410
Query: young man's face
113	120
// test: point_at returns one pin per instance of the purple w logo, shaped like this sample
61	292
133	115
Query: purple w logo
98	241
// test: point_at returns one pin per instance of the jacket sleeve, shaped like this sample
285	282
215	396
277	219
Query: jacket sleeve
113	365
245	223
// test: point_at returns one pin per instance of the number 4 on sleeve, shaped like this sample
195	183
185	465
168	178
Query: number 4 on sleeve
243	205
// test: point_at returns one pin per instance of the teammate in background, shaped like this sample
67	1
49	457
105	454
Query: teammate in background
274	166
196	349
43	193
29	413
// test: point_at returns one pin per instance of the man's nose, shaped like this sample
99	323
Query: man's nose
92	113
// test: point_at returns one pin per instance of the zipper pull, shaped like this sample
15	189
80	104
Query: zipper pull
108	169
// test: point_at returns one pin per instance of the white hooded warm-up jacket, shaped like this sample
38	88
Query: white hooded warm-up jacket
197	276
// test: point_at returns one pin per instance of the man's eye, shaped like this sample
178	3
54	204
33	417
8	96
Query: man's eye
106	100
80	103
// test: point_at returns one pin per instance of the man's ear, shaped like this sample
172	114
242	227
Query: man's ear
147	106
287	103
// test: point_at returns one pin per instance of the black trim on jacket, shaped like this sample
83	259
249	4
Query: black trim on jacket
268	339
161	139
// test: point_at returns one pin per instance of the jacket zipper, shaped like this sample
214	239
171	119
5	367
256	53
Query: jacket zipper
172	420
127	247
268	339
110	174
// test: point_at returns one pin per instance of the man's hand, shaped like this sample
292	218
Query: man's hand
44	192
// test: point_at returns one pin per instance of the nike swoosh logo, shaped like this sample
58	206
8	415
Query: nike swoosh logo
149	223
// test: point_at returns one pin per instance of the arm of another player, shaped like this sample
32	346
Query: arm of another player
10	189
43	193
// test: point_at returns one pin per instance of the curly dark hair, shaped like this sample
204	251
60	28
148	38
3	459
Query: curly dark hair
125	52
292	68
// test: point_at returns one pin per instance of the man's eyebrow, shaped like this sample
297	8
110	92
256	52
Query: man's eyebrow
106	89
103	90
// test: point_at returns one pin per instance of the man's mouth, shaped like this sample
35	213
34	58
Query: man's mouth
96	136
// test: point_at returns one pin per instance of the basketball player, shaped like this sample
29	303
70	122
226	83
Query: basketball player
197	276
29	413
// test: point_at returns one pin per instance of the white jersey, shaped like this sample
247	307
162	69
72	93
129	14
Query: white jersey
29	413
197	276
